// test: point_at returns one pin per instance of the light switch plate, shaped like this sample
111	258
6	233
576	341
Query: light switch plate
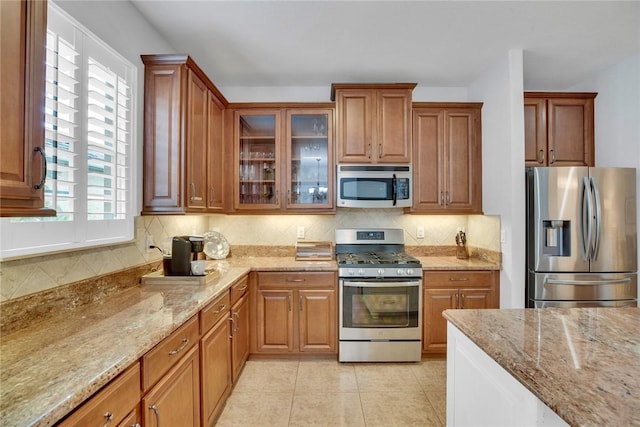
420	232
300	233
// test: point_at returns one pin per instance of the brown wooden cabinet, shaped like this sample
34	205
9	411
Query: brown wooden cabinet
215	358
182	138
175	399
445	290
447	167
373	122
240	329
283	157
296	312
117	403
559	129
22	79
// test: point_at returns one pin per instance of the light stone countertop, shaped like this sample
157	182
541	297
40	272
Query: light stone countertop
50	367
583	363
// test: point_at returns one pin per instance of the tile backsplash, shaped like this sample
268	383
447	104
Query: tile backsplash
25	276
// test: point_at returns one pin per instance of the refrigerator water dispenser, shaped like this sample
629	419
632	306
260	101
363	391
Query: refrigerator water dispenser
557	238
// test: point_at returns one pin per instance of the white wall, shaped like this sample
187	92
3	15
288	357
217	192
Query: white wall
501	90
122	27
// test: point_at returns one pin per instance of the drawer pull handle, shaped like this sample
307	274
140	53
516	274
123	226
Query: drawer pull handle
185	341
295	280
458	279
242	288
108	417
154	408
233	326
222	307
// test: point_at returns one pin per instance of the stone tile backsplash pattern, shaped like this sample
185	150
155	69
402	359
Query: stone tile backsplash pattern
29	275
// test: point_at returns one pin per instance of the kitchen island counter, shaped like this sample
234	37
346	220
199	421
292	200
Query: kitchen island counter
582	363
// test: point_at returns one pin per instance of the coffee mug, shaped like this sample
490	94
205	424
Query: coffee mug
198	267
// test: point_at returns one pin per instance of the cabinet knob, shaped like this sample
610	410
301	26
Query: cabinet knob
108	417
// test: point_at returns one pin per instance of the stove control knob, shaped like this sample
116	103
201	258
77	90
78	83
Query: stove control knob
360	272
410	271
400	272
351	272
381	272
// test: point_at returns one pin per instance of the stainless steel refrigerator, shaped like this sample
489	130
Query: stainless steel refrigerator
581	237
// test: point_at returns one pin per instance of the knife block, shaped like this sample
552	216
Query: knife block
461	252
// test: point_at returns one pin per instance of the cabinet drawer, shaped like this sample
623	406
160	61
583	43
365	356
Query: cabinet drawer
439	279
239	289
213	312
112	404
297	279
163	356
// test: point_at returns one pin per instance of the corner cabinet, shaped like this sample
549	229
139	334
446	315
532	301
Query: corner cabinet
283	159
183	130
447	147
373	122
559	129
23	166
296	312
445	290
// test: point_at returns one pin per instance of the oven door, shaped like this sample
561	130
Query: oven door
380	309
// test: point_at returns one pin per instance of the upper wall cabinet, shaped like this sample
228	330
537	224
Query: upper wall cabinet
23	166
283	157
373	122
559	129
183	131
447	153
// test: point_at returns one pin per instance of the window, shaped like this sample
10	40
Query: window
89	128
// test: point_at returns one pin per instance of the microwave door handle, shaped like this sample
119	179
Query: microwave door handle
394	189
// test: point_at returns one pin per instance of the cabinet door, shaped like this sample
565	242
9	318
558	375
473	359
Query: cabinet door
22	78
215	358
570	131
393	126
434	326
463	160
240	340
535	132
309	145
175	400
317	320
196	143
216	167
258	160
162	183
428	168
355	124
274	320
475	298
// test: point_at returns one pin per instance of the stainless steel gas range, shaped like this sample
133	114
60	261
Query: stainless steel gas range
380	288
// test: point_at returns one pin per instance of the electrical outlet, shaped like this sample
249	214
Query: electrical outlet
503	236
300	233
420	232
149	242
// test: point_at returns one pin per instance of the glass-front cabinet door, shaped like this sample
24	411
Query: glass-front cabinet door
257	135
309	177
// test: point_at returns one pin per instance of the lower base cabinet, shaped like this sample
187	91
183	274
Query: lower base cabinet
445	290
175	399
296	313
215	348
116	404
239	335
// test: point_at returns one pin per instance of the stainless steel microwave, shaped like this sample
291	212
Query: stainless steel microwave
373	186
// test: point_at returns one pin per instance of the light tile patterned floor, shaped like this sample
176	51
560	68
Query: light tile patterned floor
328	393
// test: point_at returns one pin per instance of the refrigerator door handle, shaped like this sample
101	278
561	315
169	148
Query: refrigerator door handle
586	282
586	220
598	218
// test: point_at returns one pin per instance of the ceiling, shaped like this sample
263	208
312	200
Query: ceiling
432	43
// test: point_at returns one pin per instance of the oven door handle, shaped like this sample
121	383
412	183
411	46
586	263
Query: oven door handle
355	284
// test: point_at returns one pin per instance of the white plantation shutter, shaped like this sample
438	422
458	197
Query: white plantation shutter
89	125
